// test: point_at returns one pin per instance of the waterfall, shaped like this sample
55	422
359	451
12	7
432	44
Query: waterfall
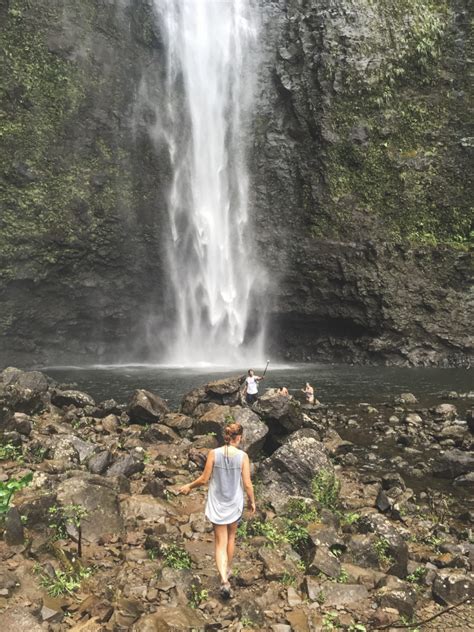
211	46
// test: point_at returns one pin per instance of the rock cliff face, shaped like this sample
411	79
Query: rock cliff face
360	187
363	210
82	185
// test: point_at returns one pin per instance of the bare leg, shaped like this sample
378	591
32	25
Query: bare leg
220	543
231	531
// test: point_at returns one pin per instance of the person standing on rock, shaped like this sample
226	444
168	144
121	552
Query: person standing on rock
251	387
228	469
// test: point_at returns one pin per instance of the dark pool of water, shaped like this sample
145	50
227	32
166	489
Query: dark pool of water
333	383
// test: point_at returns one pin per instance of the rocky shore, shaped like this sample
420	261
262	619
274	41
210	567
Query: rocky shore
94	538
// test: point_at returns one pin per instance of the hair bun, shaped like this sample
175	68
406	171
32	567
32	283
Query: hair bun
231	431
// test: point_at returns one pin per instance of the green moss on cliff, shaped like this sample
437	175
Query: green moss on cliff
57	197
397	160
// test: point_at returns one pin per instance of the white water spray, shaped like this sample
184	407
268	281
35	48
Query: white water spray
210	46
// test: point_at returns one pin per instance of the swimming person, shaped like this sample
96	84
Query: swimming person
283	391
308	391
251	387
228	469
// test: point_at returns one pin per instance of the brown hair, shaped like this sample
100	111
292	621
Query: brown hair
231	431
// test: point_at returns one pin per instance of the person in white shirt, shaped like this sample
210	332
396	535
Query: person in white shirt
251	387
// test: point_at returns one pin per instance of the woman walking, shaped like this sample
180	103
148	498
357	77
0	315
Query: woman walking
228	469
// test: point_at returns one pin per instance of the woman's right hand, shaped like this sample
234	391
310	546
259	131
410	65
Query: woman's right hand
252	507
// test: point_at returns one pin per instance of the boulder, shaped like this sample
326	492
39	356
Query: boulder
146	407
224	387
274	407
412	419
98	463
406	398
78	399
14	533
193	399
18	422
398	595
24	399
470	420
361	551
466	481
177	421
323	561
19	619
110	423
445	412
171	619
451	587
395	547
145	507
159	433
277	563
291	468
126	466
333	594
10	375
99	500
255	431
453	463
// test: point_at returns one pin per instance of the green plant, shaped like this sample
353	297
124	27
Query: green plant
417	576
301	510
153	553
62	582
382	547
10	452
37	453
68	516
343	577
288	579
175	556
409	623
246	622
295	533
229	419
349	518
242	529
326	488
356	627
329	621
8	489
198	595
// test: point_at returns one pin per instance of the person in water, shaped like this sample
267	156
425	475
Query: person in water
283	391
228	469
251	387
308	391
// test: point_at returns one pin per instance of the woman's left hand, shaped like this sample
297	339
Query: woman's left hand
185	489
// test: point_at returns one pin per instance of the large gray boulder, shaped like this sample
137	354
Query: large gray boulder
273	407
146	407
71	398
100	500
453	463
23	391
291	468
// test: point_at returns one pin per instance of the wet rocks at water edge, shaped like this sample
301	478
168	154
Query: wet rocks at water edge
336	540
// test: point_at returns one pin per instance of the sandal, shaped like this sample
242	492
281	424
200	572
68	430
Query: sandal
225	591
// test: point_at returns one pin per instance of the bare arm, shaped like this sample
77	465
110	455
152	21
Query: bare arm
247	482
203	479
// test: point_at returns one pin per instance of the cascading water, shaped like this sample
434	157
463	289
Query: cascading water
210	48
